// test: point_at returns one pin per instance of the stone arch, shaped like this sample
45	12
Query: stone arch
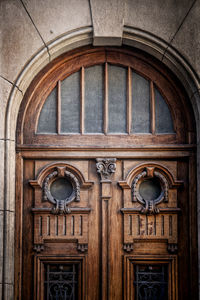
81	37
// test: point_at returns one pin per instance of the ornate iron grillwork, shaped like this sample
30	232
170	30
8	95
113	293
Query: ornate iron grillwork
151	282
61	282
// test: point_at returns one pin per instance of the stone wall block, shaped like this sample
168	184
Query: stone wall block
10	176
161	18
1	245
187	40
9	291
58	17
2	172
9	247
5	89
19	39
108	21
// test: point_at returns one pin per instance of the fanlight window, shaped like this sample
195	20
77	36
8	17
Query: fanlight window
105	99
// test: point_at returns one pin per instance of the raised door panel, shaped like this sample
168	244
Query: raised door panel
60	239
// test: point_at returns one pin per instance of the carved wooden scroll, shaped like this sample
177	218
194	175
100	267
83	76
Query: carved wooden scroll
57	219
149	219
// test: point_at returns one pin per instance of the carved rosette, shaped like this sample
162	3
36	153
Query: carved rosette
150	206
106	167
61	206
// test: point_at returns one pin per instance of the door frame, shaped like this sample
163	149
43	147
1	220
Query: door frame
23	151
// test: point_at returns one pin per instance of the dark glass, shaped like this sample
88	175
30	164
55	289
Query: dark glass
47	121
116	99
140	104
150	189
164	123
61	188
94	99
70	104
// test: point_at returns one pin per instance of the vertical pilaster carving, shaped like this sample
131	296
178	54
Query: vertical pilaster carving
105	168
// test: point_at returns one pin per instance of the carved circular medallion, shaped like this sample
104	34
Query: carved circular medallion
61	187
150	188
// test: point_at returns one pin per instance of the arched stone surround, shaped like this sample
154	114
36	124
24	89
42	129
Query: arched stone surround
132	37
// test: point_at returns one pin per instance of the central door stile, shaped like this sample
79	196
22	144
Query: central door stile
105	167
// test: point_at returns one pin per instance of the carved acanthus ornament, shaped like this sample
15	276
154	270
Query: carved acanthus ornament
106	167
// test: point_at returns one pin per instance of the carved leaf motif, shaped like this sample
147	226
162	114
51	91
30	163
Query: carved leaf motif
106	167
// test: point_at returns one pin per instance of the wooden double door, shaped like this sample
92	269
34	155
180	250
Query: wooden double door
107	227
106	188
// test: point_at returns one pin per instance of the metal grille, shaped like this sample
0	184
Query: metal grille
61	281
151	282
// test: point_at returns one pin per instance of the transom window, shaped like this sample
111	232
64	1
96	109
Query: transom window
105	99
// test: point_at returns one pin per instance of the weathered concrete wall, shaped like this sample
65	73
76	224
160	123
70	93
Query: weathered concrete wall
33	32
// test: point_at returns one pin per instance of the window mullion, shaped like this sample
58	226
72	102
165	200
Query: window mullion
59	107
82	101
129	101
152	108
106	99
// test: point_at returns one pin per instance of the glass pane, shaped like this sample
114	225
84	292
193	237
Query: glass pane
116	99
140	104
151	282
150	189
47	120
164	123
61	188
70	104
94	99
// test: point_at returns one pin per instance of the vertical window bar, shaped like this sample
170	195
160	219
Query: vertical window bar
58	106
106	99
152	105
82	100
129	101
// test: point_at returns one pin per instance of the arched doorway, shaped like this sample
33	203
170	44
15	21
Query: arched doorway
106	155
